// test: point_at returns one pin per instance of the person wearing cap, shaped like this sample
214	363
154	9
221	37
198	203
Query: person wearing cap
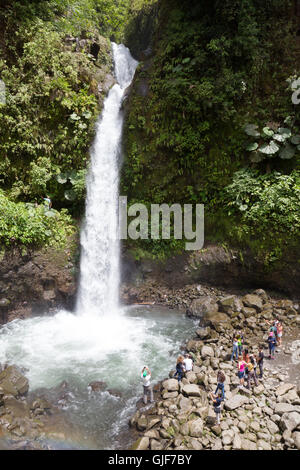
146	380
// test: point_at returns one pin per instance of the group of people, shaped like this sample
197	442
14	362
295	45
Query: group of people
247	364
184	364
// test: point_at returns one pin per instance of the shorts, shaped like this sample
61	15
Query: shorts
241	374
279	335
217	410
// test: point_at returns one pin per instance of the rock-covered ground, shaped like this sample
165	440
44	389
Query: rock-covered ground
265	417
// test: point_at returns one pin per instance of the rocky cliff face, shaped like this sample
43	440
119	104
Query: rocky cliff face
34	282
215	265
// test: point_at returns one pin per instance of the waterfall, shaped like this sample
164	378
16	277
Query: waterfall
99	265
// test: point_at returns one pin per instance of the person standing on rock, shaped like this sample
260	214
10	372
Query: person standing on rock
240	343
146	380
180	370
272	345
241	370
279	333
254	362
260	361
251	375
217	400
221	384
188	363
234	349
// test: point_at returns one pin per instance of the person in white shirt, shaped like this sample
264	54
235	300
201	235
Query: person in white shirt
146	380
188	363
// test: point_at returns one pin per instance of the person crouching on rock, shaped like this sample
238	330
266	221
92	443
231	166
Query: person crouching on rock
146	380
217	400
221	383
180	370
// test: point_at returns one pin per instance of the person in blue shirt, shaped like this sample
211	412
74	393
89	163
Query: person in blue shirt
272	345
221	384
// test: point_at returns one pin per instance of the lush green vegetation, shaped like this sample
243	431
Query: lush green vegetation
217	67
28	224
53	55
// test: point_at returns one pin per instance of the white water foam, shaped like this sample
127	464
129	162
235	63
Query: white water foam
99	265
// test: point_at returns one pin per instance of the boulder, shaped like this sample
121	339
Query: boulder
253	301
185	404
230	304
141	444
203	332
296	438
192	390
12	382
284	388
207	351
191	377
196	427
289	421
203	305
171	385
237	442
235	402
281	408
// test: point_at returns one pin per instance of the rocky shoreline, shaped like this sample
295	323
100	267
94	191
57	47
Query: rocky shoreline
265	417
182	417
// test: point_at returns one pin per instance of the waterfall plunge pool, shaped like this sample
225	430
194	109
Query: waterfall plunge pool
82	349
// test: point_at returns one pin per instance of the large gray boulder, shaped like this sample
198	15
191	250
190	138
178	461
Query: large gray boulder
13	382
196	427
296	437
235	402
202	306
284	388
192	390
290	421
253	301
171	385
207	351
281	408
230	304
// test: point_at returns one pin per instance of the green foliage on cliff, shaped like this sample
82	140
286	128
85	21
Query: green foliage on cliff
215	66
53	56
267	204
28	225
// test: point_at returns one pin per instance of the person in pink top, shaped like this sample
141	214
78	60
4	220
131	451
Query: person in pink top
241	370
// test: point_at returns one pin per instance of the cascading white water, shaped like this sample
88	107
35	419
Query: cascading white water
99	265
